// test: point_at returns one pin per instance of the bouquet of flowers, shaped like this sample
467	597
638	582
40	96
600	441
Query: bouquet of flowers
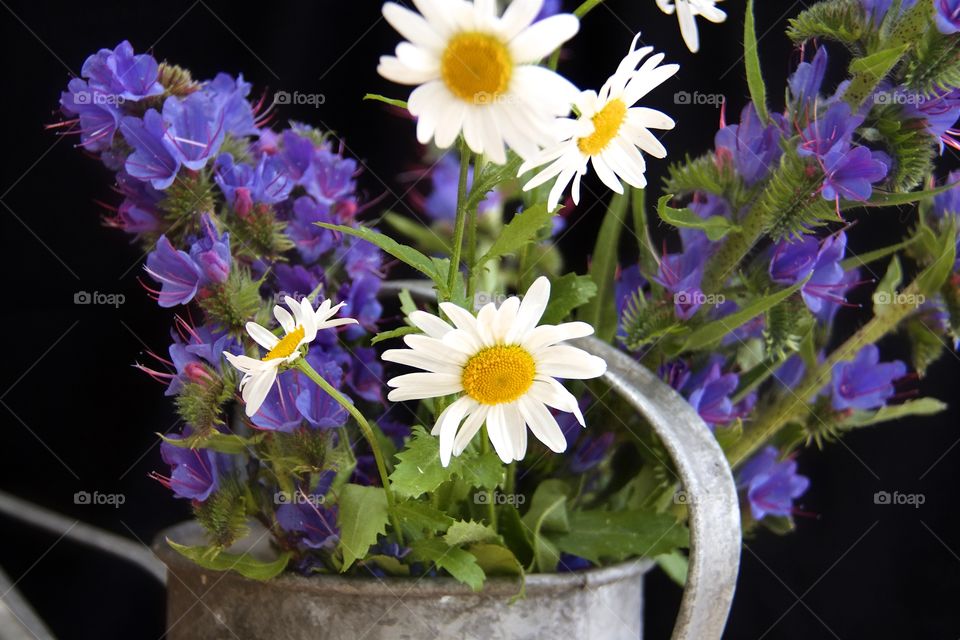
360	443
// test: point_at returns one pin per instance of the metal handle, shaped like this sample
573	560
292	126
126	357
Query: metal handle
715	536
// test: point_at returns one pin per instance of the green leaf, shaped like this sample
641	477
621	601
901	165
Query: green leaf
567	293
416	517
459	563
216	441
675	565
520	231
391	101
465	532
868	71
930	280
362	516
919	407
399	332
617	535
403	253
548	512
879	199
419	470
886	290
716	227
496	560
878	254
713	331
243	563
425	237
491	176
602	313
390	565
751	58
840	20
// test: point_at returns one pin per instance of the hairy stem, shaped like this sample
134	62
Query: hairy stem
458	230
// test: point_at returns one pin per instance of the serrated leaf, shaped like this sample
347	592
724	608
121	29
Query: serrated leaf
919	407
425	237
714	331
567	293
391	101
887	287
602	313
716	227
465	532
407	255
243	563
617	535
936	273
417	517
751	58
496	560
399	332
548	507
520	231
459	563
229	443
868	71
490	177
419	470
362	517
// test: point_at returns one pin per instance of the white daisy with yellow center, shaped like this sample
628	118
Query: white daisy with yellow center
610	131
687	12
477	72
300	326
504	368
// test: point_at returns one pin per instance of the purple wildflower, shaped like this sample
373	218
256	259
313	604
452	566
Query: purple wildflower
211	252
771	485
831	129
279	410
865	383
241	183
441	204
794	261
123	74
319	408
193	472
306	514
849	173
806	81
229	98
681	274
196	129
947	16
153	158
311	241
177	273
710	396
752	147
97	114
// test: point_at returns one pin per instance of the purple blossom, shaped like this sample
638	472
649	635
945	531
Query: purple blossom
121	73
195	128
295	280
193	353
330	179
240	183
319	408
877	9
947	203
947	16
311	241
211	252
279	411
139	212
360	257
939	111
681	274
831	129
806	81
306	514
193	472
752	147
710	396
793	261
366	374
363	304
97	114
441	204
791	372
549	8
849	173
153	158
771	485
177	273
865	383
229	98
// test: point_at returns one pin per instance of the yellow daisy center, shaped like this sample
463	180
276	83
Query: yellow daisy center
498	374
476	67
606	126
287	345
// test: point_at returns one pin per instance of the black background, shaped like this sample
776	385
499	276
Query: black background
75	415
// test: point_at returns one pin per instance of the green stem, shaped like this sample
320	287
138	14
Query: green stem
457	247
471	240
777	417
586	7
368	434
737	245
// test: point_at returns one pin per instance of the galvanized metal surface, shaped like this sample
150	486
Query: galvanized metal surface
602	604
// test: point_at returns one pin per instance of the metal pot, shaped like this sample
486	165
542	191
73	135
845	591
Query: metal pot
600	604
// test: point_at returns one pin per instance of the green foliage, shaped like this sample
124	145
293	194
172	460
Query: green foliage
868	71
399	332
362	517
568	292
547	513
705	174
524	228
229	443
842	21
393	102
601	314
244	563
919	407
418	469
259	234
934	64
790	202
716	227
459	563
200	403
907	142
223	515
614	536
464	532
233	303
926	346
418	517
751	58
645	323
786	326
189	196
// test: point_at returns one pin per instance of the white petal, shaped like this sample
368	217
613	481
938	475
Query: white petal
564	361
427	380
394	70
435	348
461	318
553	394
518	16
469	429
263	337
284	318
256	390
531	310
499	436
543	37
517	428
547	334
688	25
429	324
411	26
452	417
543	425
413	358
504	318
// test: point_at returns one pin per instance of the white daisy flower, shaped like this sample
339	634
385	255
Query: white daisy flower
687	12
503	365
477	72
610	131
300	326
